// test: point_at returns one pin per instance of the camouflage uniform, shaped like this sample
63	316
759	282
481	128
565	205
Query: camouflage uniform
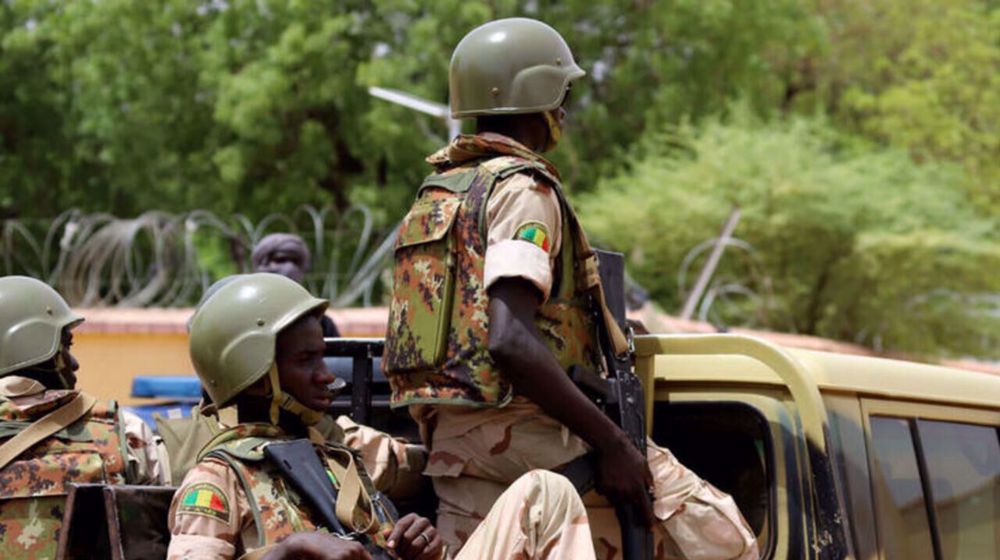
233	502
395	466
105	446
484	438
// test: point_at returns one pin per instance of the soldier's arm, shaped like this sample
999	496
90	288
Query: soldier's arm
515	344
524	236
316	546
524	224
395	466
526	361
207	514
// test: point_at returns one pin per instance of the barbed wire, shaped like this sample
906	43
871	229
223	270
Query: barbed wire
167	260
739	294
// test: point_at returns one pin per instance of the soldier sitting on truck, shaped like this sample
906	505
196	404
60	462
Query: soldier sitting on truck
261	488
394	465
51	434
494	302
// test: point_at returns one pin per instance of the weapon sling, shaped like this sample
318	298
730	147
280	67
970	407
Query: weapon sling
300	464
46	426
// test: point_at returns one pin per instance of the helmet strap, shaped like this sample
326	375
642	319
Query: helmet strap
51	372
555	131
283	401
60	367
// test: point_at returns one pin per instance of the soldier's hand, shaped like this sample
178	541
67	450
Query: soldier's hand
317	546
414	538
623	477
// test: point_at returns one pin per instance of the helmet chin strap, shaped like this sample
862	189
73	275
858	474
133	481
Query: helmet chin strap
281	400
55	370
60	368
555	131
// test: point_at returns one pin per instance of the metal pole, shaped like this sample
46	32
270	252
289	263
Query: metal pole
419	104
454	127
710	265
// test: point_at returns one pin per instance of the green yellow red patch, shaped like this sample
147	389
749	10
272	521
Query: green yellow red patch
205	499
535	233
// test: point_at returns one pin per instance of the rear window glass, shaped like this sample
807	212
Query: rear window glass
937	488
963	467
904	532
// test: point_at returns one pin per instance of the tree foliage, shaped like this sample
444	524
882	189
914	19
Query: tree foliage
920	74
254	105
849	242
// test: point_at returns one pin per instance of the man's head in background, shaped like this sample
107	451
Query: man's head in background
282	253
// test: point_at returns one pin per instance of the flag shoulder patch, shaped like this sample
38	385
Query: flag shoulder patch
535	233
205	499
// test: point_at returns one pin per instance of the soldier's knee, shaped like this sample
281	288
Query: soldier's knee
710	526
554	484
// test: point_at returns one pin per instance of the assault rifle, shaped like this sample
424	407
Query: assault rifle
620	397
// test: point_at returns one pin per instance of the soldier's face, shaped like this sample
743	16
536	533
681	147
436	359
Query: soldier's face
69	363
286	260
301	370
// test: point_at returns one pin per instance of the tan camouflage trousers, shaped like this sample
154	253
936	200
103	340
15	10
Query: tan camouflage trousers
539	517
471	467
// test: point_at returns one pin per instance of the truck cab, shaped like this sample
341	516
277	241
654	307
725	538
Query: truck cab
830	455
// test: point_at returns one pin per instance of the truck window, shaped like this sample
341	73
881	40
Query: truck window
903	528
727	444
963	467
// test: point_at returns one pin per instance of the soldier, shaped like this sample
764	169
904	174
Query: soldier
394	465
287	254
491	307
257	346
51	434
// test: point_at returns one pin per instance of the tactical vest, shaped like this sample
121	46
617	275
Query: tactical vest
278	510
438	334
33	487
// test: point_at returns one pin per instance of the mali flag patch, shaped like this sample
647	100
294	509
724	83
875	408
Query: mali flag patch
205	499
535	233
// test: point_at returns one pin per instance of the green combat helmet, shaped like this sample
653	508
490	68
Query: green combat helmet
510	66
32	317
234	332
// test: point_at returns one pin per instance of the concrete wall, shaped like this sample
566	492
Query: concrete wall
115	345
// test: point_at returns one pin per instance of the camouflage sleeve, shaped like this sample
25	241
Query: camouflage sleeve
145	451
523	232
207	514
395	467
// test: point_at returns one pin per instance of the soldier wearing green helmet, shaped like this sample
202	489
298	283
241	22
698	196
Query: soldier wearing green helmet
52	435
257	346
491	307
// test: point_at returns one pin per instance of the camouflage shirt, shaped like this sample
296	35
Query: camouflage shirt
102	447
234	501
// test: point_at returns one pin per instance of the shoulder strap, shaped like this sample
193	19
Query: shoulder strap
45	427
591	276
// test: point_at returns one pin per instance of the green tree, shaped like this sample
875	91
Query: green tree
262	105
850	241
923	75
